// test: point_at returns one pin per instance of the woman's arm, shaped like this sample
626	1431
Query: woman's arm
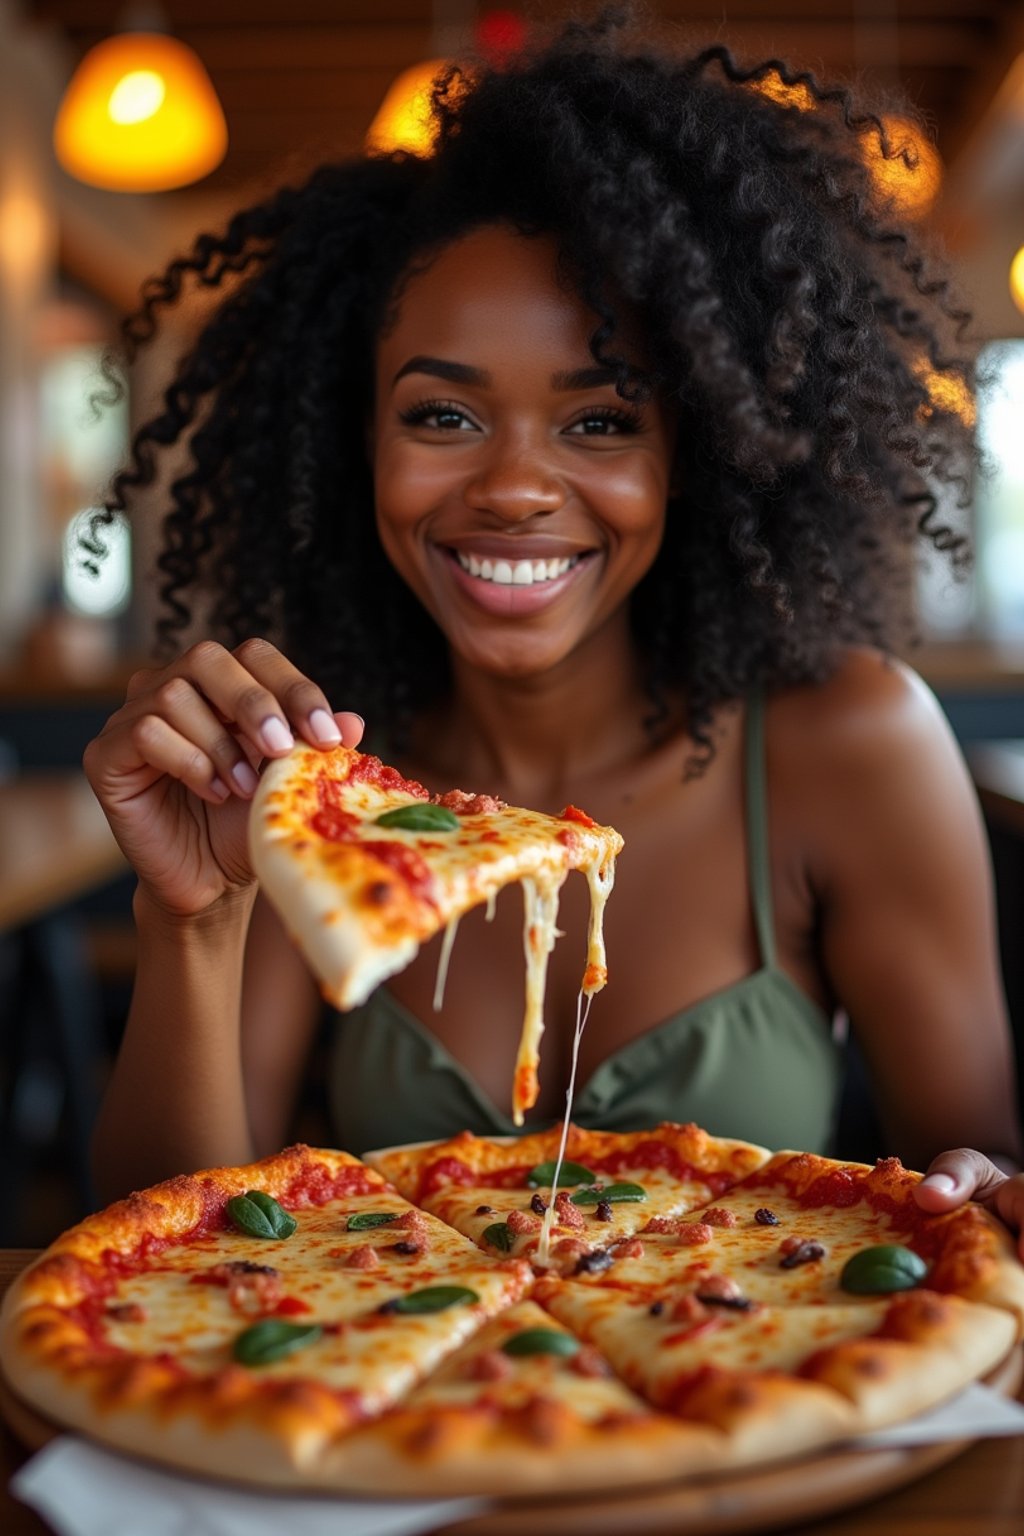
175	1101
897	852
174	770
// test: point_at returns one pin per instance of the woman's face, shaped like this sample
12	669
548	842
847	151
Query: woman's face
517	494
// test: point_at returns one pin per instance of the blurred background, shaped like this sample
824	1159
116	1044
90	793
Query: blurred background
126	130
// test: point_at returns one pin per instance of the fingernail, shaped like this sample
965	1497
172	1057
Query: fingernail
324	728
219	788
244	777
275	735
943	1182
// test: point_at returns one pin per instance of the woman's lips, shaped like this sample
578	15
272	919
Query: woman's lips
511	598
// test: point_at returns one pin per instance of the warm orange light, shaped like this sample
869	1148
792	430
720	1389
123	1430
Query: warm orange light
140	115
1017	279
911	187
403	119
946	393
775	88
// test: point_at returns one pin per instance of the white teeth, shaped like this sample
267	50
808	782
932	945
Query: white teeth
521	574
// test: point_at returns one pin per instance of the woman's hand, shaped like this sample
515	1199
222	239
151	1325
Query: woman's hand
174	768
955	1177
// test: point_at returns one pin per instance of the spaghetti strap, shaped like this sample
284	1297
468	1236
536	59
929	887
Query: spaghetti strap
758	861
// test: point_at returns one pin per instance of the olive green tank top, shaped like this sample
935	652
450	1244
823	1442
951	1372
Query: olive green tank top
756	1060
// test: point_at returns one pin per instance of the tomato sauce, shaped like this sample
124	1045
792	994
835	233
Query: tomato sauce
657	1154
317	1185
290	1306
406	862
333	825
370	770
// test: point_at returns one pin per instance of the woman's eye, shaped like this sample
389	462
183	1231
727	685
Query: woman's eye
605	423
437	415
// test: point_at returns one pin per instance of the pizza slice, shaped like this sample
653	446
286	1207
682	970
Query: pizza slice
808	1275
364	866
524	1407
259	1312
805	1230
502	1193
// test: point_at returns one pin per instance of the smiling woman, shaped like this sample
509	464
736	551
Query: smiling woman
531	489
586	458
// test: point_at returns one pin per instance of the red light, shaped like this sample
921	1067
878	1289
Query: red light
500	33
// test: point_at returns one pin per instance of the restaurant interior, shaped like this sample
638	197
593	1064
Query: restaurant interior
89	209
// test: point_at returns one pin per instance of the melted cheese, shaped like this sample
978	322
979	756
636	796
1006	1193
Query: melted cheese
196	1323
444	962
540	910
361	897
540	901
544	1244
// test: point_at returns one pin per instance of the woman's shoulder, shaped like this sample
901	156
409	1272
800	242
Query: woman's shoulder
869	749
871	709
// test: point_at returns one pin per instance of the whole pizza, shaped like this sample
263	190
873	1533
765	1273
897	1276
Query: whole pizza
446	1319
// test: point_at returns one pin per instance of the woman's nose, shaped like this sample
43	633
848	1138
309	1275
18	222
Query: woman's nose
515	482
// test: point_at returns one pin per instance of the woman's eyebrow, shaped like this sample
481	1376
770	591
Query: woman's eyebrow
464	373
584	378
455	373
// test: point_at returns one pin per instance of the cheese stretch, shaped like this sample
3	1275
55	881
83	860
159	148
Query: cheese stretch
360	897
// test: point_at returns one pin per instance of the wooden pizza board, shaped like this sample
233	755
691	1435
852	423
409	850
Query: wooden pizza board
773	1496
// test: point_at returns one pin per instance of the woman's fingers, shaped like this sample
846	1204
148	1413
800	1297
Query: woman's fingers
169	751
218	755
239	707
1008	1204
351	726
956	1177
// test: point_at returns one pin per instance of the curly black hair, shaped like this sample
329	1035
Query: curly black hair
790	319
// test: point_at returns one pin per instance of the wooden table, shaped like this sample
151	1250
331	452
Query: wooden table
54	844
979	1493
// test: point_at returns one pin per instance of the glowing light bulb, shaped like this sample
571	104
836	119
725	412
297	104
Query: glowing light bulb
1017	279
140	115
910	176
136	96
404	119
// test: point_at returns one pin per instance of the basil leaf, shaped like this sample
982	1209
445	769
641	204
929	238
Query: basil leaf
366	1219
570	1173
613	1193
272	1339
434	1298
499	1236
420	817
541	1341
878	1270
259	1215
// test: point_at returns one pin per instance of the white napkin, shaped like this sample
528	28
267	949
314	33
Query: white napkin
85	1491
974	1414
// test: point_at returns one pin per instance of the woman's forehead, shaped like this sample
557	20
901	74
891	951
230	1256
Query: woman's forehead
491	289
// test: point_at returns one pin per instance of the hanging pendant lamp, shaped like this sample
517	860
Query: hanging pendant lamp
140	115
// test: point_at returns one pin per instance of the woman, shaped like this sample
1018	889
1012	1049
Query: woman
586	458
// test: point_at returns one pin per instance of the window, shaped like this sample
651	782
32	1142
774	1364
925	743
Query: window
82	447
999	522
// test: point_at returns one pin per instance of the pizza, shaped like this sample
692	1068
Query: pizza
365	865
314	1320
